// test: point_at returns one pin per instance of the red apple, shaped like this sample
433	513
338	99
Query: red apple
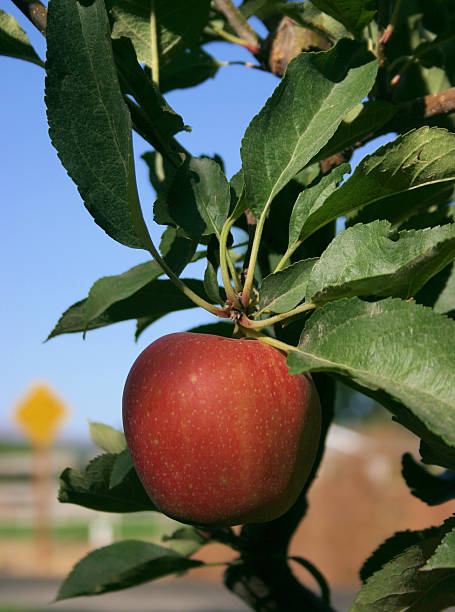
219	432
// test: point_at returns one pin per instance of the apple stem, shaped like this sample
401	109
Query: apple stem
249	324
282	346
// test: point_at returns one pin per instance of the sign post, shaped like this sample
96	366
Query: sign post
39	415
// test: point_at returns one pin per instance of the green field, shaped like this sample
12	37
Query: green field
146	527
13	608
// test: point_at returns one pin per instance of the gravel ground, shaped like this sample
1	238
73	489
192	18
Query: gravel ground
35	595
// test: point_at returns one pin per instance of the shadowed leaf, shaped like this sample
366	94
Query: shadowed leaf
179	23
431	489
122	565
93	489
14	41
89	122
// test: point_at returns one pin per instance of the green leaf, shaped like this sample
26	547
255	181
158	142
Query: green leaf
399	349
419	158
211	284
188	70
239	204
431	489
107	438
360	122
141	325
14	41
153	301
123	464
109	290
440	213
310	201
353	14
217	329
236	185
445	302
394	578
444	557
89	122
404	206
262	9
158	121
161	175
301	116
93	488
185	540
375	260
177	249
283	290
122	565
179	22
199	198
393	547
309	16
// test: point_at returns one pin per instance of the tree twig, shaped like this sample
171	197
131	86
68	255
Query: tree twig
35	11
411	114
239	24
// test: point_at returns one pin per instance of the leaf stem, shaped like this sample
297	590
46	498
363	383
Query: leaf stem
230	37
245	64
253	257
191	295
283	261
154	60
394	19
245	322
226	263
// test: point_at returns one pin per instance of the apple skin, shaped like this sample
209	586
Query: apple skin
218	430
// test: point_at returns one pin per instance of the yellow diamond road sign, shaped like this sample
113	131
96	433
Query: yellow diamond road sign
39	413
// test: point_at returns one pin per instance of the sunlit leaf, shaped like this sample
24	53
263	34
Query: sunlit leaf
413	161
283	290
398	349
373	259
317	91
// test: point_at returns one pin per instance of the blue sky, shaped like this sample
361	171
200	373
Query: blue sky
52	251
